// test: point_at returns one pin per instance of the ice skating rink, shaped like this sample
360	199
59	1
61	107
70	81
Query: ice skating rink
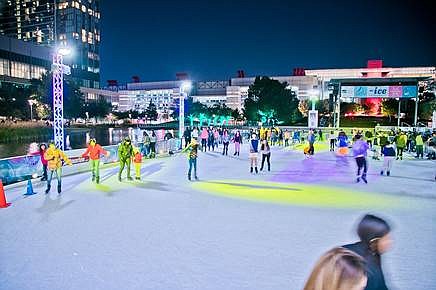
229	230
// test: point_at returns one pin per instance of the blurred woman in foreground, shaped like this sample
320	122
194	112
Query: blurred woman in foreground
338	269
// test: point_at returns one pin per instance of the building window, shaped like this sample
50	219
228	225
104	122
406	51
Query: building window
84	35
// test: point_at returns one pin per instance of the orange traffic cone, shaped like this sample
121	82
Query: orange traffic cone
3	202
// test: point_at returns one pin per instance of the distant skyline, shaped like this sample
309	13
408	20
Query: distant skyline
213	39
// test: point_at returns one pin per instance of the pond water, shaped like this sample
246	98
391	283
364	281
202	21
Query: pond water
78	139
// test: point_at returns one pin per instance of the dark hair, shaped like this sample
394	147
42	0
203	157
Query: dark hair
372	227
358	136
40	146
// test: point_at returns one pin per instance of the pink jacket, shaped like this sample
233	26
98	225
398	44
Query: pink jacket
204	134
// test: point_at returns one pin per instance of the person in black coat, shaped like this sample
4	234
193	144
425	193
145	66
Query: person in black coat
375	240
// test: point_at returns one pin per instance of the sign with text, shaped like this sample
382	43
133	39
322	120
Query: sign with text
379	91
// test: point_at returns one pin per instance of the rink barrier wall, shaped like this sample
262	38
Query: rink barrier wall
21	168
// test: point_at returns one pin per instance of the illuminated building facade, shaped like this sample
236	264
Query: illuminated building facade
74	24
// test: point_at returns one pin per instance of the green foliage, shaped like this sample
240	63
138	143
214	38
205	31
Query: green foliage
13	101
151	112
426	109
74	102
99	109
389	107
268	95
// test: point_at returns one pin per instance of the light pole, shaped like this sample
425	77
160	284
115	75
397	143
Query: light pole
58	70
313	114
399	112
184	88
31	102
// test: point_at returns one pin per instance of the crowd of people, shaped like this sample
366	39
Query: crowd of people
349	267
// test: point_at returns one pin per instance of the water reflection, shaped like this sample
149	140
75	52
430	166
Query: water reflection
79	138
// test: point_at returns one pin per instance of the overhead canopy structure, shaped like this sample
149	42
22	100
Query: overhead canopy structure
351	88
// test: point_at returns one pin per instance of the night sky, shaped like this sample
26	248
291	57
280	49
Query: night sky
210	39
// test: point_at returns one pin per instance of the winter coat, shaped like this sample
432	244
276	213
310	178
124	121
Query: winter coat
55	157
43	160
376	279
389	150
94	152
343	141
226	138
359	148
254	146
125	151
193	150
311	138
264	149
401	141
419	141
237	139
204	134
137	158
147	140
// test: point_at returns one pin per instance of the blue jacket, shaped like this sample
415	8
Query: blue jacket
343	141
254	146
389	150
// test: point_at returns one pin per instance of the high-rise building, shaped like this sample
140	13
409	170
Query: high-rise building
75	24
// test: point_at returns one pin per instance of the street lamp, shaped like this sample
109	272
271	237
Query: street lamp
184	88
31	102
58	70
313	114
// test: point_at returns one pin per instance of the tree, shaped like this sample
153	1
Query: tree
389	108
426	109
151	112
13	101
268	95
74	101
101	108
236	115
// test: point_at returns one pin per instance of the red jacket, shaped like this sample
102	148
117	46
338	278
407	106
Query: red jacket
137	158
43	160
94	152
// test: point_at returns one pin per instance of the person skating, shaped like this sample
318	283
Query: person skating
153	141
42	150
419	146
216	137
375	240
401	144
254	151
332	140
192	148
342	147
388	158
210	140
94	151
55	157
287	136
187	136
125	153
226	141
204	136
311	140
137	161
237	139
146	147
338	269
265	150
360	148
